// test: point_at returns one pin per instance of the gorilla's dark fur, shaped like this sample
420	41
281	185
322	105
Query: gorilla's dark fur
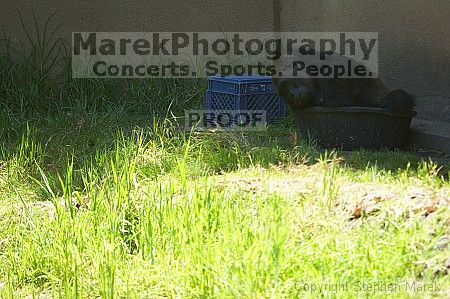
331	92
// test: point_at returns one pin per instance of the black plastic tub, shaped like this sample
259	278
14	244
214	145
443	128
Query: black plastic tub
351	128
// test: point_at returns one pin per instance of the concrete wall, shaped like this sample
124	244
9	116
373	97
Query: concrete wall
414	46
414	41
140	15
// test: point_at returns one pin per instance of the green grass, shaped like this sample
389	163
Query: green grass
159	214
102	195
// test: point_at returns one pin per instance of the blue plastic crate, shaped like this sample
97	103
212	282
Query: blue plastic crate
245	93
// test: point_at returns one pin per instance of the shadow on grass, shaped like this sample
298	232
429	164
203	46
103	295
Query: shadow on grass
81	119
49	145
82	136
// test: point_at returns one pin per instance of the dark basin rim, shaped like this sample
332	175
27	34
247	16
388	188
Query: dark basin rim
371	110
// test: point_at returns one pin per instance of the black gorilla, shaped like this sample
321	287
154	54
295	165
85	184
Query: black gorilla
340	92
367	92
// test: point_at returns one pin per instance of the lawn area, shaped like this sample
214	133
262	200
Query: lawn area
161	213
102	195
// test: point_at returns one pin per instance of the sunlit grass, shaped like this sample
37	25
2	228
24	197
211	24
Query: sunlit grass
150	216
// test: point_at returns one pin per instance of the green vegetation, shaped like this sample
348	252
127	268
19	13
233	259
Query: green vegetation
102	195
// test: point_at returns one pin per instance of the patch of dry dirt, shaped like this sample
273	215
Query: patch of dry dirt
356	198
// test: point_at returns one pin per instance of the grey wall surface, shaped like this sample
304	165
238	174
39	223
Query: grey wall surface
139	15
414	34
